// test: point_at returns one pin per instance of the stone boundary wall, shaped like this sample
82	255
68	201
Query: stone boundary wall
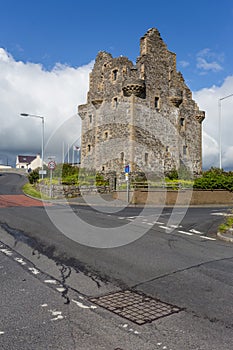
181	197
69	191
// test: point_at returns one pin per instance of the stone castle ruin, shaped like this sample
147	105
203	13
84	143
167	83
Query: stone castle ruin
141	115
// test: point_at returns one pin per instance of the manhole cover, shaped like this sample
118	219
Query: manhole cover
135	307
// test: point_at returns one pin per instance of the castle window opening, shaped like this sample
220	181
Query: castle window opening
142	71
167	148
156	102
89	148
114	74
115	100
122	156
90	118
106	135
146	158
181	121
184	150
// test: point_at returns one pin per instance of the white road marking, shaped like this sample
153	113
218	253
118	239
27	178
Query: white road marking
175	226
34	270
44	305
186	233
221	214
56	313
195	231
1	333
83	306
20	261
209	238
60	289
51	281
6	252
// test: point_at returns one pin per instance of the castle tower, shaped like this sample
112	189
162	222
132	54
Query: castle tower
142	115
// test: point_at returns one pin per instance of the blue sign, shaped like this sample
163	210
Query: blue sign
127	169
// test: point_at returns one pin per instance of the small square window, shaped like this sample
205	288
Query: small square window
156	102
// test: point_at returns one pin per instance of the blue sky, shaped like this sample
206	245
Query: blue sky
47	49
72	32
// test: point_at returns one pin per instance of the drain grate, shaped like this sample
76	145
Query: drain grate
135	307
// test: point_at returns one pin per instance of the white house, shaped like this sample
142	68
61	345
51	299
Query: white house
28	162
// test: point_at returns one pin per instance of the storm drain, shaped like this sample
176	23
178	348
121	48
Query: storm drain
135	307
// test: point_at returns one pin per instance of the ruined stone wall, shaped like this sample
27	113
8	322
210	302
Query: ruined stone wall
141	114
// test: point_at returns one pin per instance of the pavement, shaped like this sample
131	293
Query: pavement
226	236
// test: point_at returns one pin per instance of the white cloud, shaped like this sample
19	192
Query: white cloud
208	100
55	94
184	64
208	66
207	60
28	88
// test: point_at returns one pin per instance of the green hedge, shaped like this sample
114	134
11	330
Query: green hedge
215	179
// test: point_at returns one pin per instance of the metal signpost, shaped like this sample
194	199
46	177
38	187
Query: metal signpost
51	166
127	170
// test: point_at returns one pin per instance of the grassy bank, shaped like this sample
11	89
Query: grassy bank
30	190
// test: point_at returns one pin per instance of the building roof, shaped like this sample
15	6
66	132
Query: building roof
26	159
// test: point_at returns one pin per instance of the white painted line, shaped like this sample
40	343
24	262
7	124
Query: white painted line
165	227
158	223
221	214
1	333
150	224
20	261
60	289
186	233
209	238
175	226
195	231
33	270
83	306
7	252
44	305
51	281
56	313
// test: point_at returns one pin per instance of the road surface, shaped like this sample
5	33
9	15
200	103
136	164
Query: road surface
55	300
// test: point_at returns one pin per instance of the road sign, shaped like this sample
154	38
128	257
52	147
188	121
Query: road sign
42	172
127	169
51	164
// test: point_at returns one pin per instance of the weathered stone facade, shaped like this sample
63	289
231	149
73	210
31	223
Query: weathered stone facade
142	115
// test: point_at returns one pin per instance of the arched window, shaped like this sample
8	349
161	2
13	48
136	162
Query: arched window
114	74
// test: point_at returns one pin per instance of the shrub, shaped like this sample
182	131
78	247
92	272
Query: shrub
215	179
33	176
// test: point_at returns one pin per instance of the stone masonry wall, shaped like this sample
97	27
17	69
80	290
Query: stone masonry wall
142	115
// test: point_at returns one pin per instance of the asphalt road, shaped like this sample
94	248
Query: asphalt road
175	258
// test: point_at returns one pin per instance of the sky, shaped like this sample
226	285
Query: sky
48	47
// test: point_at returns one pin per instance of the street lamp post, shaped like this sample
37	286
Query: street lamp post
220	127
42	138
